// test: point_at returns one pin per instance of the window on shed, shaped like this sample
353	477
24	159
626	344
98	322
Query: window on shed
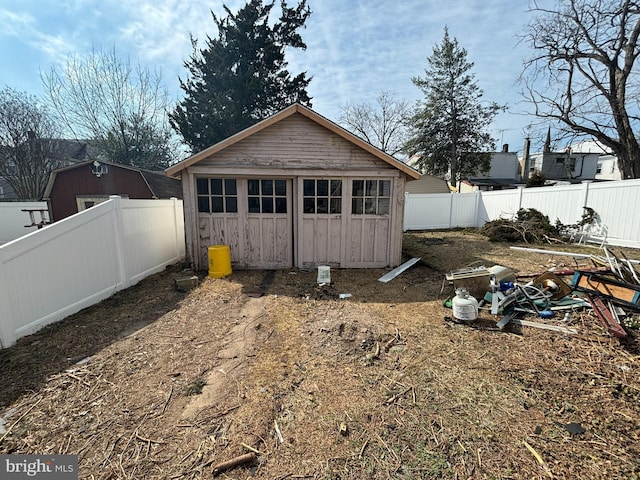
322	196
217	195
371	197
267	195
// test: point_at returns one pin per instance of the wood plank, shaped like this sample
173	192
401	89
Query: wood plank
610	288
398	270
606	317
544	326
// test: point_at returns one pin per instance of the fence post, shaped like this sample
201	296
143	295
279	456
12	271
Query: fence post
476	222
174	201
520	195
586	193
7	332
118	222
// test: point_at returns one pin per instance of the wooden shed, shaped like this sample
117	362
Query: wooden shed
295	190
80	186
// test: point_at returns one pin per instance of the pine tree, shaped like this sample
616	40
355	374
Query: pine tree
241	76
449	128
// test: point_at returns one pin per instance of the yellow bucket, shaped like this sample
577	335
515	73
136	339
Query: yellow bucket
219	261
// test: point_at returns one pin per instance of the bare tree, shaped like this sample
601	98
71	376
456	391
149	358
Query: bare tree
27	144
122	109
382	124
583	72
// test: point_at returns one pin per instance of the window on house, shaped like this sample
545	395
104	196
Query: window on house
322	196
371	197
267	196
217	195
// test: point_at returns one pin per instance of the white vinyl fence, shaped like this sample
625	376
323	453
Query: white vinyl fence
615	203
83	259
13	219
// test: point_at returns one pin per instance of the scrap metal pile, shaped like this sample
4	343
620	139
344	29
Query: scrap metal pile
610	287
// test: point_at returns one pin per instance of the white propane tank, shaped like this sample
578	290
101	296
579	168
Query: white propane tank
465	307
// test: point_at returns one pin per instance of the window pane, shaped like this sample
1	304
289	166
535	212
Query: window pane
267	187
384	188
232	204
254	204
383	206
323	205
371	188
309	205
323	188
230	186
370	206
254	187
336	205
267	205
336	188
202	185
356	206
309	188
358	188
216	186
281	188
203	205
281	205
217	205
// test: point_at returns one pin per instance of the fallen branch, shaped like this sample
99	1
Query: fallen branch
149	440
397	396
234	462
364	445
166	404
18	421
539	459
250	448
278	432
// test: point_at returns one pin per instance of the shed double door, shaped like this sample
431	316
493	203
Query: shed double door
251	215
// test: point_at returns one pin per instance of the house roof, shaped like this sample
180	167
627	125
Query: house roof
159	184
176	169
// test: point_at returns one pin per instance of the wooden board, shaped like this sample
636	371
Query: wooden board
625	293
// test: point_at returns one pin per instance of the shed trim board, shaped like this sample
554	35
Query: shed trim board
294	191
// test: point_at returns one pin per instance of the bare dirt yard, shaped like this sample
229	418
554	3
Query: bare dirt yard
158	384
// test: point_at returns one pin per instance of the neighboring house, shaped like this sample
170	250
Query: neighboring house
67	152
578	162
504	173
607	165
6	192
295	190
427	184
608	168
80	186
569	166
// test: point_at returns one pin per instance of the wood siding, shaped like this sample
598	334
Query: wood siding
296	142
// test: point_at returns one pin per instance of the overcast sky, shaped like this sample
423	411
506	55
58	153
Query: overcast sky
356	48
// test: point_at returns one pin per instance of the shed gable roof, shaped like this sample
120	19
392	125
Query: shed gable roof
176	169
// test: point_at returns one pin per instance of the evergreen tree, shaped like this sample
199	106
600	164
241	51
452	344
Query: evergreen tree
449	128
241	76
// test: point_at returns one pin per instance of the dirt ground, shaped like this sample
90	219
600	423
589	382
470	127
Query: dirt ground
154	383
